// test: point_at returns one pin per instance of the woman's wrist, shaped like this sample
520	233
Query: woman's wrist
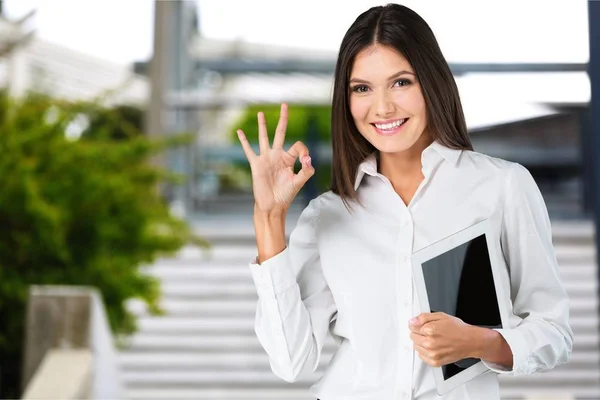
270	233
490	346
276	215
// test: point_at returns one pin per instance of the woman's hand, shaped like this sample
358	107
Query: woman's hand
273	180
442	339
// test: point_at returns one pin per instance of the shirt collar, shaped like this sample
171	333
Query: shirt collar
450	155
369	165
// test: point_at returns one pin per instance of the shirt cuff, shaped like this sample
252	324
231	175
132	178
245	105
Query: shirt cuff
518	345
274	275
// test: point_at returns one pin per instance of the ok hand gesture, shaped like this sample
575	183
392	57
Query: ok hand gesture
274	183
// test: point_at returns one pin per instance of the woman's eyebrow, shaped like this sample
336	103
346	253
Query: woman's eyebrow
396	75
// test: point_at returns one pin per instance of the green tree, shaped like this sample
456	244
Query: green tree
82	212
120	122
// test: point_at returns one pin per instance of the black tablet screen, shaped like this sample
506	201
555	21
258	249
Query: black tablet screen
459	282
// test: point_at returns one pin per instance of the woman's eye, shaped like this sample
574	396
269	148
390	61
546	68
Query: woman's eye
402	82
360	89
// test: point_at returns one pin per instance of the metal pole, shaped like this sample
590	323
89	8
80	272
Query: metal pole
587	162
169	71
311	189
158	70
594	73
164	78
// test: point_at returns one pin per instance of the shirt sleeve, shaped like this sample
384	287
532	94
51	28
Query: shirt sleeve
295	304
540	336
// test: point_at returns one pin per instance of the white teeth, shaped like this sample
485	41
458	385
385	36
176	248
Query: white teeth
391	125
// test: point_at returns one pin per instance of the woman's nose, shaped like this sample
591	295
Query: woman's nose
385	106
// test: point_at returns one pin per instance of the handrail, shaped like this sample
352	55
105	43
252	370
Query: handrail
63	374
67	326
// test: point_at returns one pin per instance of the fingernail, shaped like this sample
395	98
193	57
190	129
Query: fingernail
413	320
308	161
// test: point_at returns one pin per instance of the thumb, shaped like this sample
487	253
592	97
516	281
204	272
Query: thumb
304	174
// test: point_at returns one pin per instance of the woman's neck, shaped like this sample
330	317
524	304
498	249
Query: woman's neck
405	168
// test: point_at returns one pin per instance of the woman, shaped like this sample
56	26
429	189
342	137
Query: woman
404	177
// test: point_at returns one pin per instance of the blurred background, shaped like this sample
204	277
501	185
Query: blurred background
126	202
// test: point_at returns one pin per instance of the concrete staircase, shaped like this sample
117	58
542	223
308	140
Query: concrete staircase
205	347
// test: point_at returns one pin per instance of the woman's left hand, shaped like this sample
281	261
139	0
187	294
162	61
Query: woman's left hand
441	339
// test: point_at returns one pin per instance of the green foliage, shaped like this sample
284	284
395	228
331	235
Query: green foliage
298	122
299	117
83	212
119	122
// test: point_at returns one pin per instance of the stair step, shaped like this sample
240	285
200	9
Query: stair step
166	361
210	290
541	392
576	251
577	273
238	392
214	343
183	379
573	229
222	253
187	325
236	254
194	271
233	392
240	360
247	290
241	273
234	308
228	308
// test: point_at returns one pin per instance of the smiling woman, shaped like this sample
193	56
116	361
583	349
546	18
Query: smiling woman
400	92
404	177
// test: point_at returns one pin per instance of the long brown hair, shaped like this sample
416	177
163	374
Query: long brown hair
405	31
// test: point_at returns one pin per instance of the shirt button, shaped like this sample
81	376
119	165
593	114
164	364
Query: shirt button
405	395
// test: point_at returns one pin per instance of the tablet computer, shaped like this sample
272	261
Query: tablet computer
460	276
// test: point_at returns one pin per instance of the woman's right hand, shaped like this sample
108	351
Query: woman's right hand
274	183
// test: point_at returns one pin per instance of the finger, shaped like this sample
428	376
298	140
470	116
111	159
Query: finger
414	328
429	358
417	339
421	350
430	361
298	150
424	318
248	151
263	136
304	174
423	354
281	127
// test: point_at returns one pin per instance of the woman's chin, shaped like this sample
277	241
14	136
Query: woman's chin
393	148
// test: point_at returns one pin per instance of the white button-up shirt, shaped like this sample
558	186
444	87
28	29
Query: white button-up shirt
349	274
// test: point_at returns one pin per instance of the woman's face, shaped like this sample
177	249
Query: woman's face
386	101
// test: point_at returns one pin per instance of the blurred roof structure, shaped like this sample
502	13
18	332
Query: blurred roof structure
209	49
38	65
235	73
489	99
